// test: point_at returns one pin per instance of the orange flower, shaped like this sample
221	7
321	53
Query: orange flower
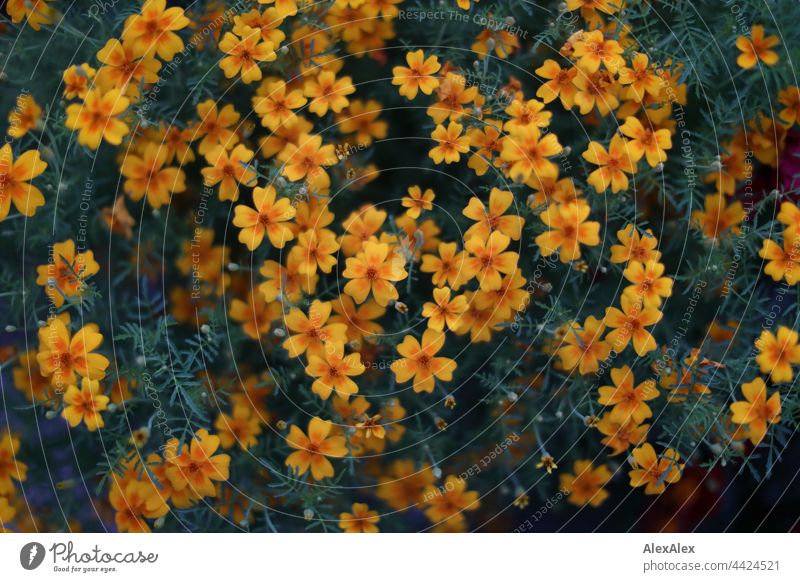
640	79
77	79
584	347
38	12
359	227
307	160
783	263
560	83
444	310
214	126
790	99
268	218
776	355
488	143
24	116
489	259
125	66
14	178
311	332
526	114
85	405
716	218
403	485
449	268
418	76
134	502
196	466
229	171
244	54
592	50
96	118
628	402
757	411
242	427
361	520
313	450
630	323
527	151
419	361
10	466
146	174
255	315
153	30
62	355
452	94
598	89
450	500
654	472
648	284
333	370
374	269
362	120
586	485
621	432
569	230
275	106
635	246
286	281
619	160
359	320
487	221
65	276
314	249
451	144
646	141
416	201
756	48
328	93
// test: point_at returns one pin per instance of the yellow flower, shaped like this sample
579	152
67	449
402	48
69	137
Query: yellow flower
62	355
444	310
419	361
586	485
97	118
313	450
362	120
493	218
451	144
326	92
403	485
640	80
311	332
717	218
125	66
416	201
360	227
255	315
268	218
489	259
790	99
195	466
620	159
146	174
307	159
241	428
592	50
783	263
85	405
286	281
776	355
598	89
621	432
10	466
569	229
153	29
244	54
284	7
420	75
65	276
559	83
361	520
628	402
38	12
375	269
756	48
453	94
757	411
229	170
24	116
654	472
333	370
14	178
525	114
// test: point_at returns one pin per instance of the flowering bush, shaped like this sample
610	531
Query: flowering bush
382	265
